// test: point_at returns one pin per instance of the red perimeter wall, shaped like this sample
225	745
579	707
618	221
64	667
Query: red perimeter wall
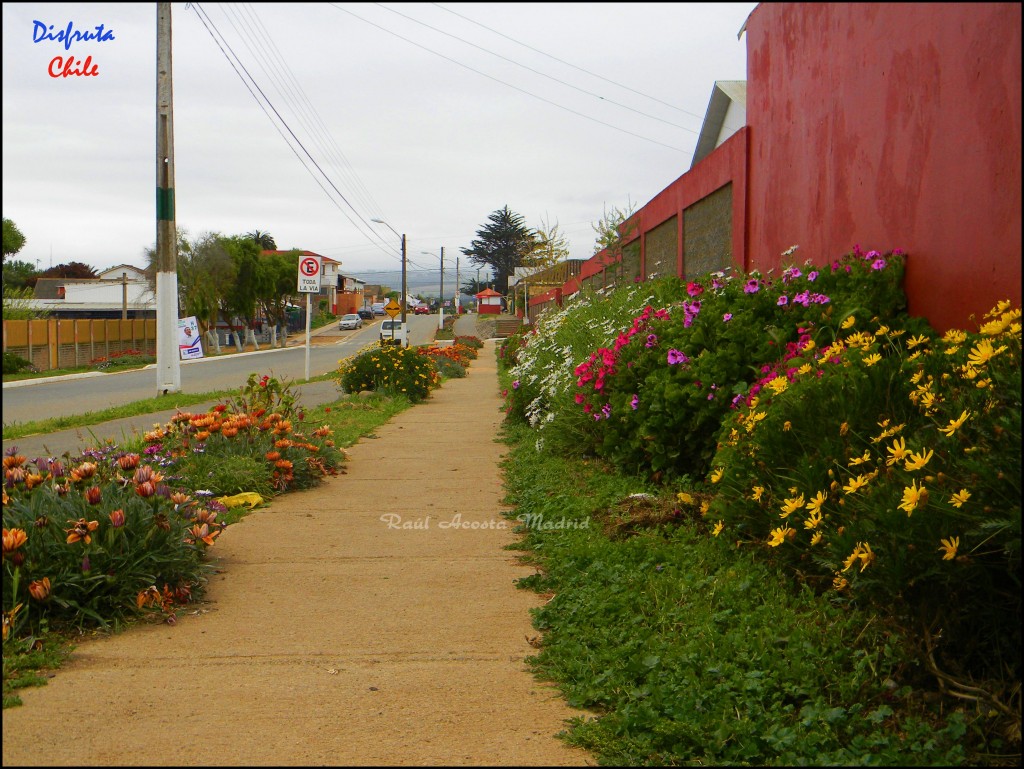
892	126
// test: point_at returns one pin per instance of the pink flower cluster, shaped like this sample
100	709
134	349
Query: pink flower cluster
594	371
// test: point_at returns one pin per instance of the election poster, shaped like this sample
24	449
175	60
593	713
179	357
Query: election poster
189	344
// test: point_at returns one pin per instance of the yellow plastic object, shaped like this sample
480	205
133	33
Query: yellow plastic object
250	498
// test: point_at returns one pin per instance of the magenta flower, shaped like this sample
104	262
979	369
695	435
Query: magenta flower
635	402
878	264
752	286
694	289
783	300
675	356
652	340
727	317
515	385
812	276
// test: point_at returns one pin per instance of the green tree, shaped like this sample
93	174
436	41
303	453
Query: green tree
19	274
250	287
263	239
503	245
14	241
281	271
205	273
17	304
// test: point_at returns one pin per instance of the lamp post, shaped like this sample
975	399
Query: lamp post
440	308
404	293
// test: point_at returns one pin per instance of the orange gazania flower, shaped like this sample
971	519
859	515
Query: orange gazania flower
117	518
201	533
83	472
93	495
229	432
283	464
202	435
39	588
32	480
273	456
128	461
13	539
16	460
284	443
81	531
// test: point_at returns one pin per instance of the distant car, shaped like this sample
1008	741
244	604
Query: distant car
350	321
378	308
366	314
421	309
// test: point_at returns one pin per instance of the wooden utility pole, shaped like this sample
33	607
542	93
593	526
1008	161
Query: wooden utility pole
168	370
124	296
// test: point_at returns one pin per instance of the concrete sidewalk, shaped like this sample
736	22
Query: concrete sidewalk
370	621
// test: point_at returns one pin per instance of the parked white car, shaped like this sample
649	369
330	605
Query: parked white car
394	332
350	321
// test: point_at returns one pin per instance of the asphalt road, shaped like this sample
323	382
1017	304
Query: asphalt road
33	400
83	393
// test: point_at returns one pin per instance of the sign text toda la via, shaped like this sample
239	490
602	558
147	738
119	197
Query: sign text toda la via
309	274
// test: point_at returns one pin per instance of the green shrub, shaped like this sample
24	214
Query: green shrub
660	391
391	368
14	364
888	466
448	368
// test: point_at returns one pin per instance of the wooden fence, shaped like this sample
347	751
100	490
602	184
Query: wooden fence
53	344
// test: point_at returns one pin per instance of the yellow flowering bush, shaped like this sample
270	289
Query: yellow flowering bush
894	458
392	368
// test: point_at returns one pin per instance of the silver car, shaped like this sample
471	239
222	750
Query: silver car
350	321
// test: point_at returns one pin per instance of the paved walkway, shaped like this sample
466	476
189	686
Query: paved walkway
370	621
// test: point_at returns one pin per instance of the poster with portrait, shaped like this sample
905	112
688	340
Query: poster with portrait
189	344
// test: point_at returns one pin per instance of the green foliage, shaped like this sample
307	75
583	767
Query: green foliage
889	466
389	368
502	245
17	304
265	394
223	475
690	652
96	533
15	363
13	238
660	391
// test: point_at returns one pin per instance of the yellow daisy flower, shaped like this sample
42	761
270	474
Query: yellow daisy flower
718	529
791	505
954	424
758	491
958	499
716	476
917	461
855	484
914	496
949	547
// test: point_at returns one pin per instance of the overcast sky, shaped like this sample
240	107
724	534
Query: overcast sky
429	116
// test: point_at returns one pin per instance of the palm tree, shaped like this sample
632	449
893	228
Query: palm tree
263	239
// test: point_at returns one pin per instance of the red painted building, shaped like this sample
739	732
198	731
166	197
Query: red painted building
887	125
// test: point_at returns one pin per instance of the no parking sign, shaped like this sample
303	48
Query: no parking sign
309	274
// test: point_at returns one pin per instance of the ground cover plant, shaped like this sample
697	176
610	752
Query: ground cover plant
689	652
873	461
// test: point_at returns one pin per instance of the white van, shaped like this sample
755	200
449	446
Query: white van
394	332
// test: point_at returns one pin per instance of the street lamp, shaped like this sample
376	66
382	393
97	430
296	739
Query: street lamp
404	293
440	310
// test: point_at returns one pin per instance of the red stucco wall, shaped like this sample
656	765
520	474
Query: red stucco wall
893	126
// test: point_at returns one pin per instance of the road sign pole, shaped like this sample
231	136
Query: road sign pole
309	313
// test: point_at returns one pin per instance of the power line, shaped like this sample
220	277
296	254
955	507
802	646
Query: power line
568	64
513	87
211	27
538	72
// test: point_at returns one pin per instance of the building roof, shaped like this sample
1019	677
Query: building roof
724	94
487	292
